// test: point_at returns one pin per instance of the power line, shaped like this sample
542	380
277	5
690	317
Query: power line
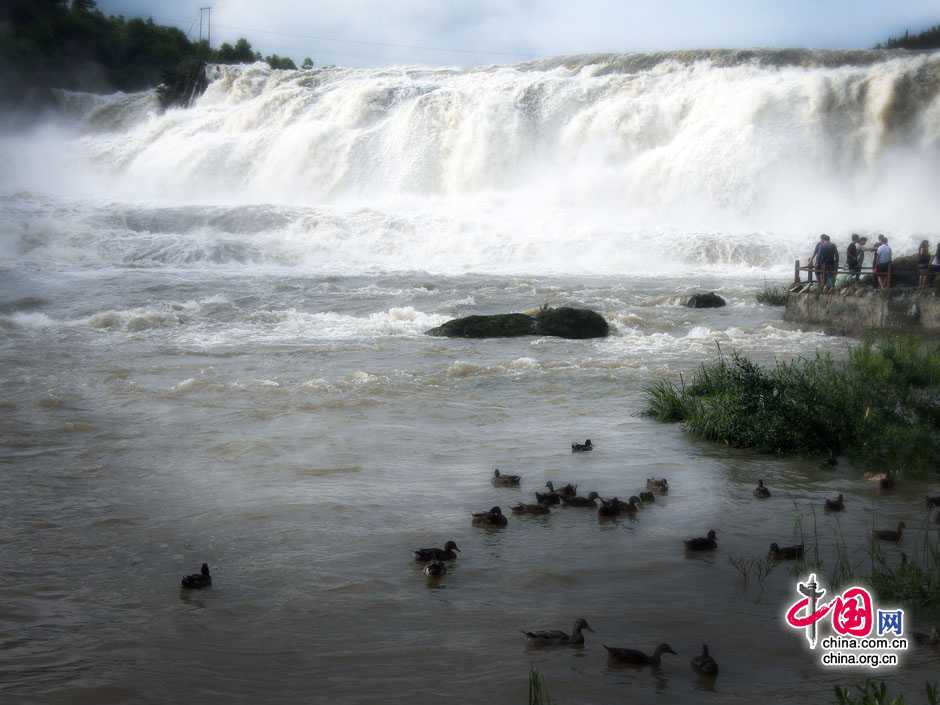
364	42
380	44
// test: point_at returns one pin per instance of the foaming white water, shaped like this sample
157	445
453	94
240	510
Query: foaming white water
600	164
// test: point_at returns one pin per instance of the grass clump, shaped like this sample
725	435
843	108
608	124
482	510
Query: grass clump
877	694
883	401
772	296
538	693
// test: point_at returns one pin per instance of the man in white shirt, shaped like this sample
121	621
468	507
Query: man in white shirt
882	261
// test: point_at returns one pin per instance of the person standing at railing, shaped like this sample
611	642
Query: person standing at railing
935	265
923	264
882	262
827	261
855	256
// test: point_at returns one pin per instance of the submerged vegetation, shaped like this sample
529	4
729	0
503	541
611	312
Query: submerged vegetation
872	693
882	402
538	694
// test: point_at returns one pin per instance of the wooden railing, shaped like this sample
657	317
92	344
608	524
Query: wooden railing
818	271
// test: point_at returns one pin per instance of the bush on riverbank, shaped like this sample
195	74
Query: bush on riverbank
772	296
882	402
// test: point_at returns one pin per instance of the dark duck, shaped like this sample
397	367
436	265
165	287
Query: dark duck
494	517
837	504
501	480
638	658
785	553
704	664
703	543
761	491
585	447
198	581
523	508
448	553
559	638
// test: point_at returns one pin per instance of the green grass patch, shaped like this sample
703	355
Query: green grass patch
772	296
873	693
882	402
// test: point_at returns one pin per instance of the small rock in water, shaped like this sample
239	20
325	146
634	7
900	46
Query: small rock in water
709	300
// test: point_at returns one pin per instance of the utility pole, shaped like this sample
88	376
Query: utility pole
207	13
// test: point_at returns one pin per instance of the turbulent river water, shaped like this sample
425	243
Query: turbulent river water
212	349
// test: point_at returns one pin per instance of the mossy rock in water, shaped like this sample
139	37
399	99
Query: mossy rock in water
565	322
562	322
709	300
502	325
182	84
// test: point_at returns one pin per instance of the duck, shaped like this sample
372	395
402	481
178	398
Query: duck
647	497
501	480
435	569
894	536
638	658
887	482
523	508
616	506
837	504
576	501
660	486
787	553
559	638
548	498
585	447
568	490
931	638
494	517
761	491
704	664
933	502
198	581
448	553
703	543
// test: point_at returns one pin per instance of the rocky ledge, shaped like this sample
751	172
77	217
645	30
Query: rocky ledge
563	322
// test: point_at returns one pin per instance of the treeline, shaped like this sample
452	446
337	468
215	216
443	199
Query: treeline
928	39
48	44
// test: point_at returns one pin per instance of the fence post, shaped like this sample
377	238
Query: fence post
796	272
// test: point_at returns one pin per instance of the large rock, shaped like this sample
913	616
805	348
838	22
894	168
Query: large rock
563	322
568	322
502	325
709	300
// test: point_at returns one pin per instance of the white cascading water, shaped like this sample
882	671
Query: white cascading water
601	164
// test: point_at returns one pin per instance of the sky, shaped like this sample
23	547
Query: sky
474	32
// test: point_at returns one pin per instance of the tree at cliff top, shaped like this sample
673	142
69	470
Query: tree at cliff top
928	39
46	44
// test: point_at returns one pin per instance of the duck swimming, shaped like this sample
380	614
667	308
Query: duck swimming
887	482
560	638
706	543
787	553
585	447
448	553
890	534
494	517
761	492
522	508
647	497
638	658
933	502
705	665
660	486
501	480
548	498
576	501
198	581
568	490
616	506
837	504
436	569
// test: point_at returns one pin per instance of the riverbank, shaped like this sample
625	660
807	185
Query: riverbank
854	310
